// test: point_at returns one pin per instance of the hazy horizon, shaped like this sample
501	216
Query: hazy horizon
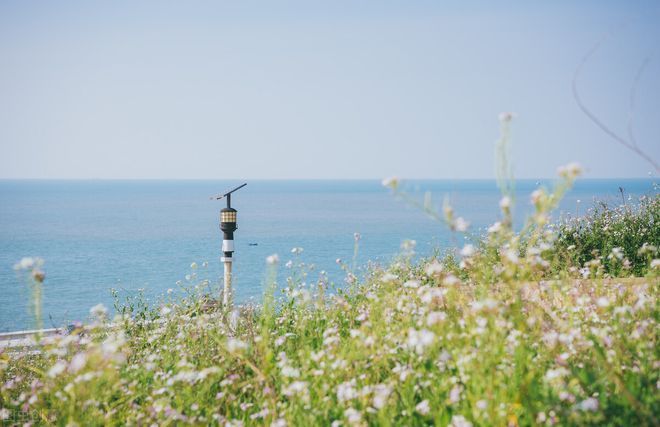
300	90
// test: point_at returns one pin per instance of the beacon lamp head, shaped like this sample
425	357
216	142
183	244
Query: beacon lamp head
228	223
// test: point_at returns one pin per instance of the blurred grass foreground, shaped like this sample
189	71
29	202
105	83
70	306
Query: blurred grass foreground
555	324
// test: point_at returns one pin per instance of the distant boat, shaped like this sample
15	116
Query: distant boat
253	244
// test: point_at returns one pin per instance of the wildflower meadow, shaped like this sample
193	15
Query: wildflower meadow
554	324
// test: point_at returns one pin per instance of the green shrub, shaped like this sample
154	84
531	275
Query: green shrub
622	239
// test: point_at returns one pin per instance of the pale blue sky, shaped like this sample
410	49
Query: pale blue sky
282	89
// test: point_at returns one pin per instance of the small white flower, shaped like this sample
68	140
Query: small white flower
25	263
482	404
468	250
388	278
570	171
433	268
589	404
413	284
423	407
536	196
234	345
408	245
495	228
435	317
381	394
289	372
455	394
272	259
603	302
99	311
77	362
391	182
420	339
505	203
193	265
511	255
353	416
297	251
57	368
461	224
459	421
346	391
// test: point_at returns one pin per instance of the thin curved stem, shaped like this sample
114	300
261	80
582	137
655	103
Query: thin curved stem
576	95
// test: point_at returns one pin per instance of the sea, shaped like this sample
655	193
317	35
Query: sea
142	236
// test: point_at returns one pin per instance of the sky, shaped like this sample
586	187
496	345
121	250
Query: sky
321	90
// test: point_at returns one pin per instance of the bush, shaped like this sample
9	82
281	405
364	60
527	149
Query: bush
623	240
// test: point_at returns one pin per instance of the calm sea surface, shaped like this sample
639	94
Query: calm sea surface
130	235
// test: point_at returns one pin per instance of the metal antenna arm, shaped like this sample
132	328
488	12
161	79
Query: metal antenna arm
227	194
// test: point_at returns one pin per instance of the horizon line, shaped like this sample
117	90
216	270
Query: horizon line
322	179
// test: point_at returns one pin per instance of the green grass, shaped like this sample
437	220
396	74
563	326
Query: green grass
624	239
504	335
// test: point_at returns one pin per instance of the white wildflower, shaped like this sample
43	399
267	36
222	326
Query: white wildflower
495	228
560	372
388	278
589	404
423	407
420	339
346	391
455	394
413	284
459	421
391	182
511	255
461	224
57	368
234	345
435	317
433	268
468	250
381	394
603	302
570	171
272	259
25	263
353	416
77	362
290	372
99	311
294	388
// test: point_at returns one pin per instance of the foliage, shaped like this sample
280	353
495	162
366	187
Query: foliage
477	339
623	239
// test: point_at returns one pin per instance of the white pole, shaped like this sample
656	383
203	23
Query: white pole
226	294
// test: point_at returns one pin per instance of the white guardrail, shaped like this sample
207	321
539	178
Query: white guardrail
21	339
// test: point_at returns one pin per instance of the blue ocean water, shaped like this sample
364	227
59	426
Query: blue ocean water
130	235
